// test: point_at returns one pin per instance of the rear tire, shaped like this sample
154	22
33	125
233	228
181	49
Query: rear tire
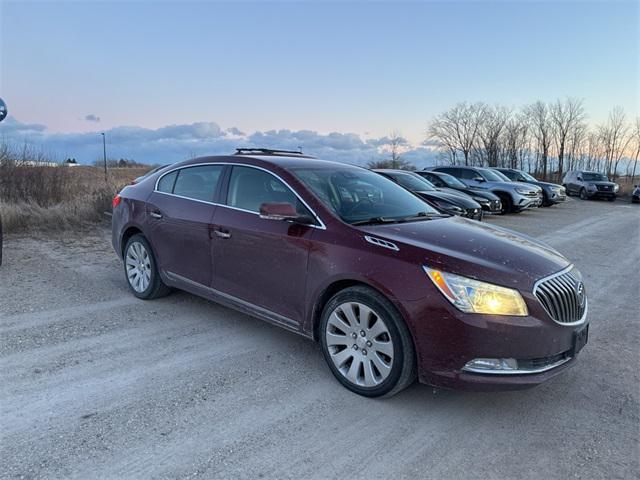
141	271
366	343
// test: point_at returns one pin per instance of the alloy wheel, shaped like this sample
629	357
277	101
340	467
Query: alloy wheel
359	344
138	267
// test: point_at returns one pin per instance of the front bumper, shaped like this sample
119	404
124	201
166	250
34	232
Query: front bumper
492	206
557	196
447	340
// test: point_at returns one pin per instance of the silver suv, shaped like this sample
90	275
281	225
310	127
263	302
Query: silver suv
590	185
515	197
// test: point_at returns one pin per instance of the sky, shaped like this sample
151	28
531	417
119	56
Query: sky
170	80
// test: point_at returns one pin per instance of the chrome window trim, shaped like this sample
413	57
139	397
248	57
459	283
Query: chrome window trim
321	225
519	371
554	275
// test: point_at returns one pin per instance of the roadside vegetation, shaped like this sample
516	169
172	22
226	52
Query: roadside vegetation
38	194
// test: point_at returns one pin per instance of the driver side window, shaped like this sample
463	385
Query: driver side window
249	188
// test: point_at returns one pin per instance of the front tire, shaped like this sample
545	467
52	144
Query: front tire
507	204
141	271
583	194
366	343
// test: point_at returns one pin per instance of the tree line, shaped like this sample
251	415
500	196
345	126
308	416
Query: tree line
547	139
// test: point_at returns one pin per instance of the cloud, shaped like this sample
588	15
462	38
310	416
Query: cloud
92	118
173	143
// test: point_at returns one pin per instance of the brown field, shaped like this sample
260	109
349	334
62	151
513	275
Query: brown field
56	198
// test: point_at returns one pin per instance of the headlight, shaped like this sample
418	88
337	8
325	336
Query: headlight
616	187
522	191
481	200
473	296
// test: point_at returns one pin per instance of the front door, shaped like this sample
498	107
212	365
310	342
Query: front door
259	261
179	214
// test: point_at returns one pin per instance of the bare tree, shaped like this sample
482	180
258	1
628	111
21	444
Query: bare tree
566	116
395	145
539	118
492	124
636	139
615	138
457	128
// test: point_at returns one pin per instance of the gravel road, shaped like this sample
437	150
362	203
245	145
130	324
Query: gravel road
97	384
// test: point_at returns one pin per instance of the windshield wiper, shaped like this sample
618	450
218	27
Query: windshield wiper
376	221
411	218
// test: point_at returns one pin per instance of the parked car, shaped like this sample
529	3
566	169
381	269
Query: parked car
391	288
552	193
635	194
488	201
590	185
513	197
452	203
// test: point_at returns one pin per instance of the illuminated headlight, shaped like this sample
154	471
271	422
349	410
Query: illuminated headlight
523	191
473	296
616	187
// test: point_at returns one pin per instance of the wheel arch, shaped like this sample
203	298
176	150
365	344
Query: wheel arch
339	285
126	235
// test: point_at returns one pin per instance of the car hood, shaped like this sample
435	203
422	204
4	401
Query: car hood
454	198
481	192
474	249
509	185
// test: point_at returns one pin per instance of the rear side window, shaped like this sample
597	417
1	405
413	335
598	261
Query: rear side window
197	183
249	188
166	183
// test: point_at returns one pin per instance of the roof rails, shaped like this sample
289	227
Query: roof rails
266	151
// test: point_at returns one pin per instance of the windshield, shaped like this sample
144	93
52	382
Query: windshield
411	181
594	177
358	195
451	181
528	177
492	176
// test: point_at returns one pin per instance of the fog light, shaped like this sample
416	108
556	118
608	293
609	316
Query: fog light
488	365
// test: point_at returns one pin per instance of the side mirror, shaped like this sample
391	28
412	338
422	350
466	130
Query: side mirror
478	179
579	179
282	211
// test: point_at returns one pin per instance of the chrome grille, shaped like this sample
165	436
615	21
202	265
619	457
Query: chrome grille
563	296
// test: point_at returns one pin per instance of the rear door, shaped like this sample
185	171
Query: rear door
259	261
179	213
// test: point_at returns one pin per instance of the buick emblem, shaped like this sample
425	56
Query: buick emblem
580	293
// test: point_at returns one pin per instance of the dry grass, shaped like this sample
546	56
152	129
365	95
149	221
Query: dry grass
35	198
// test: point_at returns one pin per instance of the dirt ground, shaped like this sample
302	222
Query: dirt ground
97	384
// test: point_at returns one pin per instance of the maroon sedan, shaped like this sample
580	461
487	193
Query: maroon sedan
390	287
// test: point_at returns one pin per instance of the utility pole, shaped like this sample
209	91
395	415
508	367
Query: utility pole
104	151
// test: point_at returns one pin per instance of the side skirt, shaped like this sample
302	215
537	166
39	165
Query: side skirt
178	281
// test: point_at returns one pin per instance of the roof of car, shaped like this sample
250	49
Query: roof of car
283	161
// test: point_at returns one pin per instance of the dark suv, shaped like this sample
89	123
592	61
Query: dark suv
551	193
514	197
590	185
391	288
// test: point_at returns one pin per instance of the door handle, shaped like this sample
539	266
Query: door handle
155	215
221	234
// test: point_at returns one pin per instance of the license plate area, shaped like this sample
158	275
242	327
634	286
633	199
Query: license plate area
580	339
